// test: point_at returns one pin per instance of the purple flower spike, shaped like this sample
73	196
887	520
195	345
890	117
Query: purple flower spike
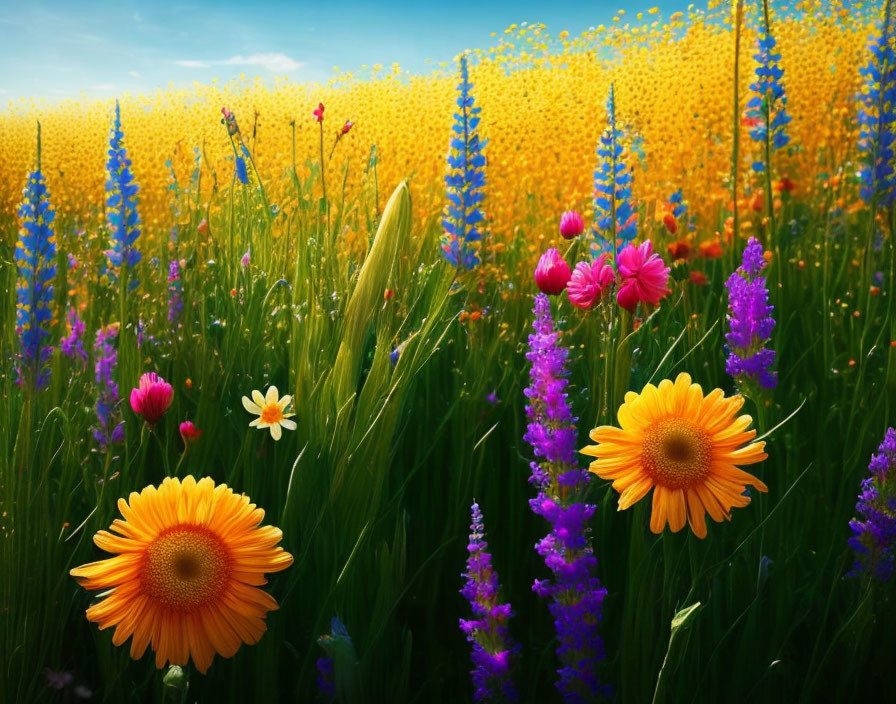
575	593
175	292
72	346
750	321
874	532
493	648
108	401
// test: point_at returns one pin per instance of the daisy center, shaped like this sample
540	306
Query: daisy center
272	413
676	453
185	567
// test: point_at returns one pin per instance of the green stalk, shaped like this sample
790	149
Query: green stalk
735	156
769	197
323	174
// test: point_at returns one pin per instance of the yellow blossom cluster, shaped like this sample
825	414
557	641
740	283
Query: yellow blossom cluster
543	109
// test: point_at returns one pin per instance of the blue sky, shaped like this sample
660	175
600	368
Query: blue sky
59	49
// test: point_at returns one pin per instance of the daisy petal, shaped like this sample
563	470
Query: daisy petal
251	407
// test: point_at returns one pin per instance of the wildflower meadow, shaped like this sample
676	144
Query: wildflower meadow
562	371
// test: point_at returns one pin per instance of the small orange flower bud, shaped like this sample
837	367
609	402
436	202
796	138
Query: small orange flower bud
698	278
757	202
671	223
388	293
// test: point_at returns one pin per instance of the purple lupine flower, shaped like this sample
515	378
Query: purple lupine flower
246	258
338	671
58	680
326	682
575	594
493	648
175	299
72	346
874	532
750	321
108	400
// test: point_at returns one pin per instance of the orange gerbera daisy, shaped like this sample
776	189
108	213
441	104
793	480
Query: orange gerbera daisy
683	445
190	558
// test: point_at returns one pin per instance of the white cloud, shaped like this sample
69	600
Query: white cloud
135	74
275	62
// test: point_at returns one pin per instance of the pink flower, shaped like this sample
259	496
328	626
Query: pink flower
347	126
571	224
152	397
189	432
589	282
644	276
319	113
552	272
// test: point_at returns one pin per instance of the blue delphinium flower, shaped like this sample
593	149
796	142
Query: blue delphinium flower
493	648
679	207
463	218
614	216
767	108
121	207
877	117
35	257
575	593
241	173
874	532
750	321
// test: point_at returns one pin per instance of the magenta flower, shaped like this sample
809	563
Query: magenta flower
644	276
589	282
571	224
189	432
319	112
552	272
152	397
